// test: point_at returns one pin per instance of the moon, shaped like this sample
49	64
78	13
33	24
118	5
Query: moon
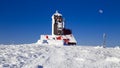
100	11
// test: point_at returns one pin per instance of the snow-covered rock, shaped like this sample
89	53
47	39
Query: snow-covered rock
50	56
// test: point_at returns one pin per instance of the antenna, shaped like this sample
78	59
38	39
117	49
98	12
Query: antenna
56	11
104	40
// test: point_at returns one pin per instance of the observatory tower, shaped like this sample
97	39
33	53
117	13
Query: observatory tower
57	24
60	35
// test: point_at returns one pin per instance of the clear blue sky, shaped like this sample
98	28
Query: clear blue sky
23	21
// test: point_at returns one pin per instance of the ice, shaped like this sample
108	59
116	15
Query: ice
113	59
53	56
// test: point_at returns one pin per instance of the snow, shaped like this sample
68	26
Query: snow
113	59
51	56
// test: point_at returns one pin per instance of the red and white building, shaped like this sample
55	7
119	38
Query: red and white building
60	35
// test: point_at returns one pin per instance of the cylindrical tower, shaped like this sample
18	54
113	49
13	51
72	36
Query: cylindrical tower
57	24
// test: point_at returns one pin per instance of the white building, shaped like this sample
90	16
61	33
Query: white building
60	35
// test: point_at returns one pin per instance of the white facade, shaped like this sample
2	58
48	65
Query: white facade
56	39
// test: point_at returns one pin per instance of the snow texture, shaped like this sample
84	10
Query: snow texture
50	56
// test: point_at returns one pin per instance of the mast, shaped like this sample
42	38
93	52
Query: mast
104	40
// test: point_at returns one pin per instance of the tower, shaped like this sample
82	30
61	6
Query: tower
60	35
57	24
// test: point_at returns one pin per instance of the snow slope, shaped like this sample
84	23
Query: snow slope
38	56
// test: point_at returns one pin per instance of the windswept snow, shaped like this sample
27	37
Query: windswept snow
48	56
113	59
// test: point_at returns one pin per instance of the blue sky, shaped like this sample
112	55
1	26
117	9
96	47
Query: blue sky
23	21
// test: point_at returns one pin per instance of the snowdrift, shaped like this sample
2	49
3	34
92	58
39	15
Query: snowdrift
50	56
